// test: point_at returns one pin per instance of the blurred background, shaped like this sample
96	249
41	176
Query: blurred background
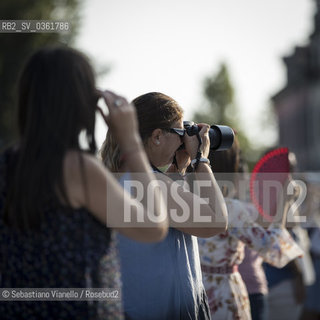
249	64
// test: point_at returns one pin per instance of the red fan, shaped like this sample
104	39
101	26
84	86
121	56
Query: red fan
267	180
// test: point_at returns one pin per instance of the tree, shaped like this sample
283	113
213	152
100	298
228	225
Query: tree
219	105
15	48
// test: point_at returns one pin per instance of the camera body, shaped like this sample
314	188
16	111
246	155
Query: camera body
221	137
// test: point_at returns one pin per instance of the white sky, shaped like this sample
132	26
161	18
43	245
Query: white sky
172	45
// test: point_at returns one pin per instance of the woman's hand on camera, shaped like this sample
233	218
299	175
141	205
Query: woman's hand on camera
121	120
192	142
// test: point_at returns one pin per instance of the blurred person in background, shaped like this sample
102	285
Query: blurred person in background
311	307
221	255
287	285
253	274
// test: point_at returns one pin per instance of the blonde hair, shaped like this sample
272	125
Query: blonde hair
110	153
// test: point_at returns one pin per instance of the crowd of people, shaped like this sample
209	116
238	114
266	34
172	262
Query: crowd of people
73	217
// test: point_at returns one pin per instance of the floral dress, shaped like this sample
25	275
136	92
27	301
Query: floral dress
221	255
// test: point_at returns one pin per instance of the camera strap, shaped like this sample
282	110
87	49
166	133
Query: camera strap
172	176
199	153
155	169
175	162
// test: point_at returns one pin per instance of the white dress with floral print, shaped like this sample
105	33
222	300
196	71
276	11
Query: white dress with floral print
227	293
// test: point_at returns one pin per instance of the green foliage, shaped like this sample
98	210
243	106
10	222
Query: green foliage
219	107
220	94
15	48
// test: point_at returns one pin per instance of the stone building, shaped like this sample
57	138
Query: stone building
297	105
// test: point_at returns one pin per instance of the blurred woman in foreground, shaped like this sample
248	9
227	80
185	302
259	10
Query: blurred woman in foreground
55	213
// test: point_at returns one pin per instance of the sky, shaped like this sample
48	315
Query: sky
171	46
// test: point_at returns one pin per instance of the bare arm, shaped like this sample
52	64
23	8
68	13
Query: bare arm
103	196
203	213
94	187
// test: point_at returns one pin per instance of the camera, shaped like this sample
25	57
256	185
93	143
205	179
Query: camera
221	137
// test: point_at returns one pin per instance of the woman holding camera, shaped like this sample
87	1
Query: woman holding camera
163	281
57	202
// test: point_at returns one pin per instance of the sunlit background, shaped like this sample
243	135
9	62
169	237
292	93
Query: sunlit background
221	60
172	45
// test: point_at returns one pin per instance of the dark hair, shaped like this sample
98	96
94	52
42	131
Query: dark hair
56	100
227	161
227	165
154	110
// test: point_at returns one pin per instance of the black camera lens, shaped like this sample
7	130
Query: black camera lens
221	137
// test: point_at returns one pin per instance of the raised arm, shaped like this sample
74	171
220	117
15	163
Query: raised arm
203	207
92	186
274	244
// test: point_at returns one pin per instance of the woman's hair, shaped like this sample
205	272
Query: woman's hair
227	161
227	165
56	101
154	110
110	153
